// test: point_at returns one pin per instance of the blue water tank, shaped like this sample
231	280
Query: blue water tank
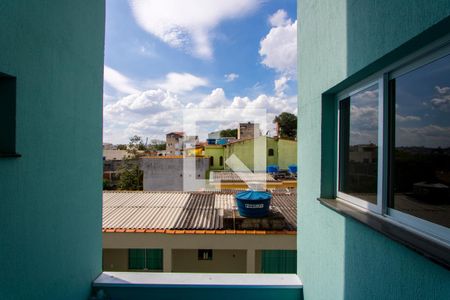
253	204
272	169
222	141
292	169
211	141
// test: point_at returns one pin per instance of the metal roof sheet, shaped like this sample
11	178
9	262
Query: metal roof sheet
144	211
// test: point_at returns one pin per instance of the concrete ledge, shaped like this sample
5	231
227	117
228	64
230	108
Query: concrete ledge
137	285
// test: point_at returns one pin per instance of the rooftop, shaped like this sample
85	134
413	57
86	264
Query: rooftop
229	176
193	213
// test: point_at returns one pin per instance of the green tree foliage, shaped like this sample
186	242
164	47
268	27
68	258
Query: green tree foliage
131	177
287	123
229	133
136	144
121	147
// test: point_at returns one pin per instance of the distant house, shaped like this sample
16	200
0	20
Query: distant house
280	152
248	131
196	232
174	143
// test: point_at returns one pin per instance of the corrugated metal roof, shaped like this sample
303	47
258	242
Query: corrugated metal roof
229	176
181	211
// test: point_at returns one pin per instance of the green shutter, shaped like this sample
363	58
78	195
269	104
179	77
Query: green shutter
154	259
136	259
279	261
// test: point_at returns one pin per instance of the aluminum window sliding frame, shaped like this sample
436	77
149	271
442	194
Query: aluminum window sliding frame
377	208
386	111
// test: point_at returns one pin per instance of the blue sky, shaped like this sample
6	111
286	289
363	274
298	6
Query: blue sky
165	56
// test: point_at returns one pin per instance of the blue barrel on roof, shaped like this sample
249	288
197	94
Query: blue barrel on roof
272	169
222	141
292	169
211	141
253	204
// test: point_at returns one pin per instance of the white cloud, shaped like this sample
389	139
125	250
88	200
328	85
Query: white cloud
400	118
281	84
231	77
188	24
280	18
155	112
279	47
442	101
427	136
118	81
182	82
443	90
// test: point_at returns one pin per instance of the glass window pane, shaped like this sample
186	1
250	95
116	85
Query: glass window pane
421	157
358	144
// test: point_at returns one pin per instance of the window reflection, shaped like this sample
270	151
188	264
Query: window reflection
358	142
421	155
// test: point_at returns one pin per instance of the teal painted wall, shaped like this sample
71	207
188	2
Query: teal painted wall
339	258
50	198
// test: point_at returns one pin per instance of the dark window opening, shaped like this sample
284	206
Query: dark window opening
211	161
271	152
221	161
7	115
205	254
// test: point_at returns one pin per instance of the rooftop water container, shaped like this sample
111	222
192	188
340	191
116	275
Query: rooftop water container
292	169
211	141
272	169
222	141
253	204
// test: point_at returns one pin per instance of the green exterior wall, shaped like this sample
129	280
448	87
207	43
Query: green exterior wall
215	151
287	153
284	152
50	198
340	258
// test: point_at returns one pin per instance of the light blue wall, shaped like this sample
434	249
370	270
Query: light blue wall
339	258
50	198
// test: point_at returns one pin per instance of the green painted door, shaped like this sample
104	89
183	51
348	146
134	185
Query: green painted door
279	261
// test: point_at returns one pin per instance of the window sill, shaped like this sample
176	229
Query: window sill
425	245
141	285
9	155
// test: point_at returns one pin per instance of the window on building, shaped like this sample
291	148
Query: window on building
394	144
221	161
211	161
278	261
270	152
205	254
7	115
145	259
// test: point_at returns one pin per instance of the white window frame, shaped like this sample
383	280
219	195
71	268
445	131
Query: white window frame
426	55
377	208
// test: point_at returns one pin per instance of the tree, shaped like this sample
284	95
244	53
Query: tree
229	133
287	124
131	177
135	145
121	147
